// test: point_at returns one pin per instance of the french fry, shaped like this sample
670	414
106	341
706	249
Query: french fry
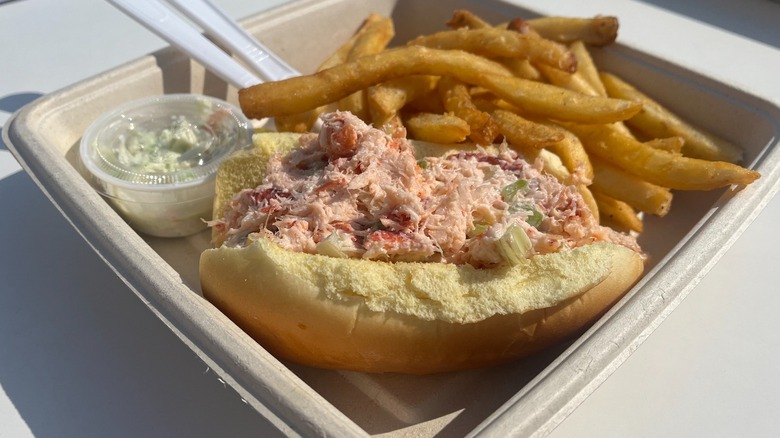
658	166
525	134
427	103
522	68
596	31
464	18
490	103
298	94
617	214
372	40
494	42
553	102
573	155
554	166
303	122
533	82
457	100
638	193
585	80
586	68
570	81
669	144
385	100
437	128
657	121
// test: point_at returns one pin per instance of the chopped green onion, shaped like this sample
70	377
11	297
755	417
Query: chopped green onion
423	164
514	245
509	192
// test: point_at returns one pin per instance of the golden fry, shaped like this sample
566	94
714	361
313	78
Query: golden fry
373	40
294	95
573	156
464	18
437	128
586	67
519	66
570	81
557	103
617	214
494	42
427	103
596	31
669	144
533	82
553	165
524	134
658	166
585	80
657	121
639	194
491	103
303	122
522	68
457	100
385	100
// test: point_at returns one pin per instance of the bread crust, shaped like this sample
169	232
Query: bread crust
280	299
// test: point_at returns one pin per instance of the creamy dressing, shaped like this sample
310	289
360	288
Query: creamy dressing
161	148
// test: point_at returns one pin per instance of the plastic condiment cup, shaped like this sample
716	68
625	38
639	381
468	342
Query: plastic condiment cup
155	159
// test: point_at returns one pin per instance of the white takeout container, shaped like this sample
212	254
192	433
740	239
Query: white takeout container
175	196
522	398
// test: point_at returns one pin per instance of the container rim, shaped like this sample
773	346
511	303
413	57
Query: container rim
102	168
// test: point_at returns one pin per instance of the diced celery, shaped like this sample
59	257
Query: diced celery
514	245
479	228
332	246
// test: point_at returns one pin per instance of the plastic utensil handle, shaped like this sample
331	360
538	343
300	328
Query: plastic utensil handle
160	19
227	32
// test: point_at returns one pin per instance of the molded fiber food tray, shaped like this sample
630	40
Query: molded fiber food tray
526	397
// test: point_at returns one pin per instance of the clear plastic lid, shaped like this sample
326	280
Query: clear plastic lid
163	141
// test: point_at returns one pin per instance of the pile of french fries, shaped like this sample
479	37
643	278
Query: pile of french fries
531	83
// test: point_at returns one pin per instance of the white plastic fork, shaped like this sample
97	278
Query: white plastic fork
163	21
227	32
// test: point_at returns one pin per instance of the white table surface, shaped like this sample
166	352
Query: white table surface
81	356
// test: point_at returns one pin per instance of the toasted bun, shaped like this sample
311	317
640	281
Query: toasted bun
411	317
247	167
416	318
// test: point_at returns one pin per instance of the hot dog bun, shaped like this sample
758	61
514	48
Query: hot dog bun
404	317
411	317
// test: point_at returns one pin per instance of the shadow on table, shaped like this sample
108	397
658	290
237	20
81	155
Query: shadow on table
755	19
82	356
13	103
